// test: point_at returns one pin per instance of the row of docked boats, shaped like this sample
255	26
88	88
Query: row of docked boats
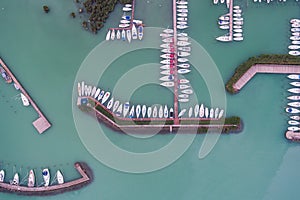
223	1
182	14
31	178
5	75
125	110
200	111
237	23
294	103
122	34
294	47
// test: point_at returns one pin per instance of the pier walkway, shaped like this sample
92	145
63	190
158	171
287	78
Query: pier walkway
41	124
265	68
52	188
176	120
231	20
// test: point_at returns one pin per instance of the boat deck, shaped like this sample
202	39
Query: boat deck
41	124
265	68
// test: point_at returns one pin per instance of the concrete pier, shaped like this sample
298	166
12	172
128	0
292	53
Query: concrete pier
41	124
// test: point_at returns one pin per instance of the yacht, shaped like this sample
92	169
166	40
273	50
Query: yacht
216	112
181	26
187	91
140	32
294	47
134	32
221	114
294	90
183	71
24	100
154	112
296	83
183	86
206	113
224	38
295	98
60	178
105	97
294	76
119	110
113	34
108	35
292	110
190	112
118	34
167	78
123	35
295	117
110	103
46	176
166	112
294	53
131	112
294	104
183	100
97	93
16	179
196	110
31	179
160	112
167	84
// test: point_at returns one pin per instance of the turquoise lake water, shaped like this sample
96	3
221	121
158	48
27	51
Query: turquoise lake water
45	52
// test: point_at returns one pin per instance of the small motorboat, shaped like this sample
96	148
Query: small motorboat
31	179
110	103
126	108
167	56
126	9
183	86
183	100
182	14
116	105
160	112
296	42
182	6
182	19
238	30
119	110
165	67
165	35
182	60
294	104
295	97
183	10
187	91
295	37
184	65
183	71
181	113
124	21
294	53
168	31
292	122
183	81
105	97
128	34
294	90
201	111
134	32
292	110
183	38
224	27
294	76
294	46
190	112
124	25
295	117
131	112
154	112
149	111
293	128
182	23
2	176
166	112
138	111
222	22
211	113
238	38
140	32
60	177
295	29
24	99
101	95
46	176
296	84
167	84
144	110
15	180
196	110
108	35
224	18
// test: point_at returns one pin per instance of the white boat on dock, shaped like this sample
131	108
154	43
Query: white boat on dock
144	110
123	35
183	86
105	97
182	6
183	53
107	35
295	117
93	91
128	34
196	110
183	100
181	113
238	38
294	76
187	49
134	32
167	78
167	84
118	34
183	10
295	104
124	25
182	60
183	43
119	110
295	29
31	179
181	26
154	112
295	83
211	113
149	111
116	105
110	103
293	122
201	111
113	34
126	108
224	38
294	47
138	111
294	97
294	53
183	71
60	177
183	96
221	114
182	2
46	176
166	112
97	93
182	14
2	175
160	112
126	9
216	112
183	81
24	99
292	110
206	112
293	128
294	90
224	27
184	65
16	180
131	112
187	91
168	31
190	112
140	32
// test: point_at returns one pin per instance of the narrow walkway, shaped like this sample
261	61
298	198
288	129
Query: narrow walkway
176	120
41	124
231	20
267	69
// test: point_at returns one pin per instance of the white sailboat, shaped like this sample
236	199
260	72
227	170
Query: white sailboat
128	33
110	103
31	179
149	111
131	112
60	178
201	111
154	113
138	111
116	105
105	97
196	110
181	113
166	112
108	35
46	176
134	32
126	109
144	110
160	112
190	112
24	100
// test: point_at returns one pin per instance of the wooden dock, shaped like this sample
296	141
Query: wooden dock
52	189
266	69
176	120
41	124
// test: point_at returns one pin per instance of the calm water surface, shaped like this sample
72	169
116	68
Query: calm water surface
45	53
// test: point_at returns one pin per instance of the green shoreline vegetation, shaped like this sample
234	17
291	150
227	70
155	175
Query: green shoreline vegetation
232	124
280	59
98	11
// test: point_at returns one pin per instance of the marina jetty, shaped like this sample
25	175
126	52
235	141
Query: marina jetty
268	64
83	169
162	125
41	124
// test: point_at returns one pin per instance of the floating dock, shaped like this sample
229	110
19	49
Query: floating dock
266	69
82	168
41	124
231	20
